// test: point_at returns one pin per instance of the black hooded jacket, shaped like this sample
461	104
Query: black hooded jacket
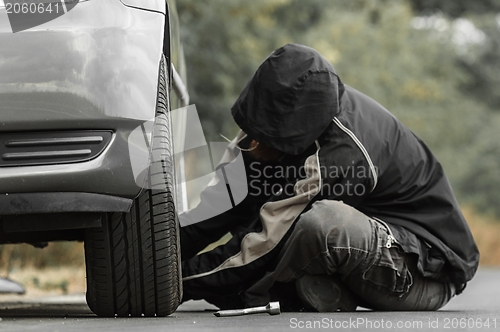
368	159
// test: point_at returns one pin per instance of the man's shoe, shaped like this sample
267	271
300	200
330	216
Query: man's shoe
324	293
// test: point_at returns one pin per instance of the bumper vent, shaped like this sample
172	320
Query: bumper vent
45	148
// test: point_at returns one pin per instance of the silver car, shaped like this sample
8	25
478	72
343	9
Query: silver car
86	142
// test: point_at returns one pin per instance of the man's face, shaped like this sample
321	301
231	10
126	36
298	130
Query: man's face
263	152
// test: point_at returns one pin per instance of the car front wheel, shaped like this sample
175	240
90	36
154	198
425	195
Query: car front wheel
133	259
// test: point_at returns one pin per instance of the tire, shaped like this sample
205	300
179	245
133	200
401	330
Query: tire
133	261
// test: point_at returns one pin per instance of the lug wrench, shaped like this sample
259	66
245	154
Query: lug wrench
273	308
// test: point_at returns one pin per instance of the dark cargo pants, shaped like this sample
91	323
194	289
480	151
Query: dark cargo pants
335	239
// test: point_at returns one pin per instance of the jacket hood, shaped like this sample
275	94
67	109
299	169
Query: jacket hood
290	100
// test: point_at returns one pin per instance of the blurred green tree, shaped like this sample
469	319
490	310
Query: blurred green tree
480	183
375	48
483	65
225	41
456	8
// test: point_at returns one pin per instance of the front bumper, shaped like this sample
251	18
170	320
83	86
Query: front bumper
36	203
110	173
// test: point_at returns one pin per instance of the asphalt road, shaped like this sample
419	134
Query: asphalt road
477	309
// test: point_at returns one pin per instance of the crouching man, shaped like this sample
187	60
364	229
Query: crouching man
346	207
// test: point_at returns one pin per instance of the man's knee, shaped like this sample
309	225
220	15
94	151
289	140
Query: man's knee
339	232
328	218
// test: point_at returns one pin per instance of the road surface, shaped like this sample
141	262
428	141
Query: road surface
477	309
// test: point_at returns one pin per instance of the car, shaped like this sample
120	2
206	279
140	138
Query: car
87	139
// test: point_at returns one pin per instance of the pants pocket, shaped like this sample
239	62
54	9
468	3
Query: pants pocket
389	270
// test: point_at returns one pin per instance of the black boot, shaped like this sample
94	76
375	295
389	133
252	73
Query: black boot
324	293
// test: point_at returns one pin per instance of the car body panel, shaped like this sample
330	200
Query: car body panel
102	58
94	68
158	6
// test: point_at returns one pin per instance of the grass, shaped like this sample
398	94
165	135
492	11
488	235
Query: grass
18	256
50	281
55	270
486	232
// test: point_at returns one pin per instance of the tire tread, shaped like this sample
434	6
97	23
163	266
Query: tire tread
133	260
